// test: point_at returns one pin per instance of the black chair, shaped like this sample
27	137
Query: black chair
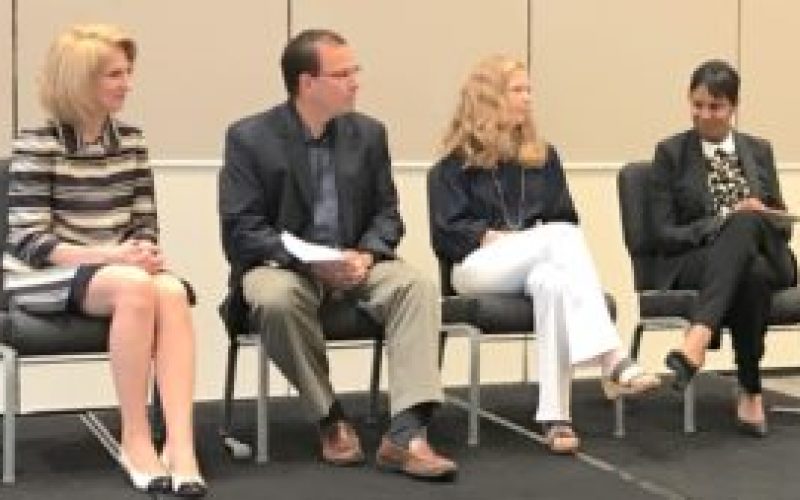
31	339
670	309
489	317
346	325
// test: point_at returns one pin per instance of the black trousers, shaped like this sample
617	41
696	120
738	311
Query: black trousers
735	277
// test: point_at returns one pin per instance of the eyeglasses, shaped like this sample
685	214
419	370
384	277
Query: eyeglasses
341	74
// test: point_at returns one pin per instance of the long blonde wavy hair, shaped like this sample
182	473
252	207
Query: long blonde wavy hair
482	131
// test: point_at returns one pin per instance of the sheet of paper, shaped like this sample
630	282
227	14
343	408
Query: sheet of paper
309	252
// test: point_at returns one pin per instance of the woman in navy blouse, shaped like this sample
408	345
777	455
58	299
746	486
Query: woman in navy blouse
502	213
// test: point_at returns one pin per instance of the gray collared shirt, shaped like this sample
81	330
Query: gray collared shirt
325	228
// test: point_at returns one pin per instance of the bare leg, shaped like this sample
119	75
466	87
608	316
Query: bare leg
175	372
750	407
695	343
128	296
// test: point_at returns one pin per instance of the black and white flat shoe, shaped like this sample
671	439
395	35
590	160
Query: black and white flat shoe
185	486
189	486
143	481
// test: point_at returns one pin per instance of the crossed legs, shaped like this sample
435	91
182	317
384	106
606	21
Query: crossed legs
551	264
735	277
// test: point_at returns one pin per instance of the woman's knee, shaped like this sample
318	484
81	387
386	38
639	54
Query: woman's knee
565	230
170	289
122	286
547	280
758	275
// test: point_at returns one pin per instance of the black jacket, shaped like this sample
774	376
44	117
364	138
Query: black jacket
682	205
265	188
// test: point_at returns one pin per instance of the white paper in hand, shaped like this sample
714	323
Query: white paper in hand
309	252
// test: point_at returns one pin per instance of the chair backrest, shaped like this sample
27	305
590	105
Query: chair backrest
4	164
445	276
633	187
445	265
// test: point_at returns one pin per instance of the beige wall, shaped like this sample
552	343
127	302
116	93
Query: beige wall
610	77
5	80
410	76
770	97
609	81
201	64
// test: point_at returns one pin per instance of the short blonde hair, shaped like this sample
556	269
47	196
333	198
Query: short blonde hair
72	65
481	129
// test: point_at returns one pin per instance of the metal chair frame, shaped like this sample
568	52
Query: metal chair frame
240	450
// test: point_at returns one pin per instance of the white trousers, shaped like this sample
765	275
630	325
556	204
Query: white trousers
551	264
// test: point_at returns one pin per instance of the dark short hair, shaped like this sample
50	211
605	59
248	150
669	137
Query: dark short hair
300	55
719	77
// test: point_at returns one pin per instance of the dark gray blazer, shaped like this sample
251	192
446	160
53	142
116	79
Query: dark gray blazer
265	188
682	206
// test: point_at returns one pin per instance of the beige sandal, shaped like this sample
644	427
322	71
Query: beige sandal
561	438
628	378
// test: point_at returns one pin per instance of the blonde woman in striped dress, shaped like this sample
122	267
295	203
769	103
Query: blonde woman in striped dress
83	237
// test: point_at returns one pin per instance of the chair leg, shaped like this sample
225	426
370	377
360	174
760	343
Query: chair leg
525	361
473	429
237	449
262	417
688	408
10	409
375	381
619	417
230	382
442	345
637	340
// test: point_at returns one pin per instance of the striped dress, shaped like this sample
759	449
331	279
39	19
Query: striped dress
62	191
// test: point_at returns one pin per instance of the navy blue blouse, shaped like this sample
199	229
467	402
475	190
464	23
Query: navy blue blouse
466	202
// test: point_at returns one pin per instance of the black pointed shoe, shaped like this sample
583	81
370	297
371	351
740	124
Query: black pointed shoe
754	429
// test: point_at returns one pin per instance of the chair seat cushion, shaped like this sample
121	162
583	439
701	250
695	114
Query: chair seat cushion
492	313
497	313
785	308
666	303
679	303
344	320
50	334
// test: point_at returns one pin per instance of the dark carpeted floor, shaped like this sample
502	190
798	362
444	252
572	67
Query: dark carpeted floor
58	456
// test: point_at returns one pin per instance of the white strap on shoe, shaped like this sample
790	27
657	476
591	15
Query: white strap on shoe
626	371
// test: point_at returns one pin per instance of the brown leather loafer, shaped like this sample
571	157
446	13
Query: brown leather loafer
340	445
418	461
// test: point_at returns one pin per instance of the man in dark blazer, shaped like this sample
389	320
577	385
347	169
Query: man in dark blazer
721	225
315	168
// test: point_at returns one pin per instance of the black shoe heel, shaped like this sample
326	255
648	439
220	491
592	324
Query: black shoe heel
683	368
753	429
